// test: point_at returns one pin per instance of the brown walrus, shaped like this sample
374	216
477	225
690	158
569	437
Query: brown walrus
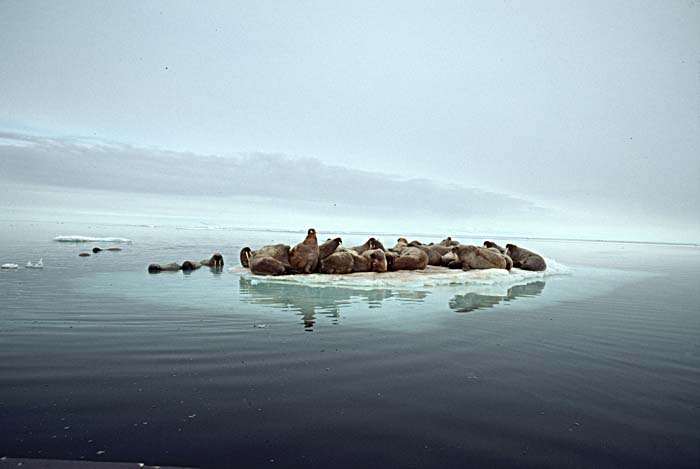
411	258
348	261
269	260
371	243
304	256
172	267
340	262
448	242
477	257
491	244
328	247
525	259
401	243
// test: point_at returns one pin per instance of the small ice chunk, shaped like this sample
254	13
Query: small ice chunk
9	266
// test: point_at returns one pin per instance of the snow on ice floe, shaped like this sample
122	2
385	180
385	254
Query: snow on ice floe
90	239
430	277
9	266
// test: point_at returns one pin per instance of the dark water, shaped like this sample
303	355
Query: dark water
600	368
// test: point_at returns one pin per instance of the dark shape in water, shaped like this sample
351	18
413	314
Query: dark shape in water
473	301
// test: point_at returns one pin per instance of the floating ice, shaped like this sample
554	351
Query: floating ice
9	266
39	264
430	277
89	239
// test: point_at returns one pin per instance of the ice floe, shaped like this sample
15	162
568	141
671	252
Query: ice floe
430	277
9	266
90	239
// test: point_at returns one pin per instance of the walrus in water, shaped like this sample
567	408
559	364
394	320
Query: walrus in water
476	257
96	250
491	244
268	260
525	259
304	256
411	258
172	267
216	260
84	254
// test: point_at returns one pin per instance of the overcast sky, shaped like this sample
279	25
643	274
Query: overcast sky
580	106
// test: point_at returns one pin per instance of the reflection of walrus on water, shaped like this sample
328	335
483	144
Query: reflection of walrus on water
304	256
524	259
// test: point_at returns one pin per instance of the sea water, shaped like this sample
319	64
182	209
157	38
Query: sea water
596	364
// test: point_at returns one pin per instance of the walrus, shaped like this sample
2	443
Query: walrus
188	266
269	260
434	252
340	262
304	256
476	257
328	247
411	258
371	243
216	260
372	260
96	250
348	261
525	259
401	243
448	242
245	255
491	244
84	254
451	260
172	267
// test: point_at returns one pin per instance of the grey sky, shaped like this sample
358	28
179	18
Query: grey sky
586	105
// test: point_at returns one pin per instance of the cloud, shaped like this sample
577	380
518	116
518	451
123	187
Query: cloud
74	162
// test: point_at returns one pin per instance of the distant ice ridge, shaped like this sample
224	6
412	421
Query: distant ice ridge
90	239
430	277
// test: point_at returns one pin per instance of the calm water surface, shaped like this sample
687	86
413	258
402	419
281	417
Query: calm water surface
599	368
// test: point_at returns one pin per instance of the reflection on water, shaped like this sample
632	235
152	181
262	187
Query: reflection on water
309	301
473	301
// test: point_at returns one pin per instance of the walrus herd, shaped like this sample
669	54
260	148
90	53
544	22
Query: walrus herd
331	257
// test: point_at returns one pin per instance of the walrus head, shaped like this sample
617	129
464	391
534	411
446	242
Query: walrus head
96	250
187	266
217	260
245	256
153	268
378	262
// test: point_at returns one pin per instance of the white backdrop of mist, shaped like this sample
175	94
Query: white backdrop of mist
577	119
